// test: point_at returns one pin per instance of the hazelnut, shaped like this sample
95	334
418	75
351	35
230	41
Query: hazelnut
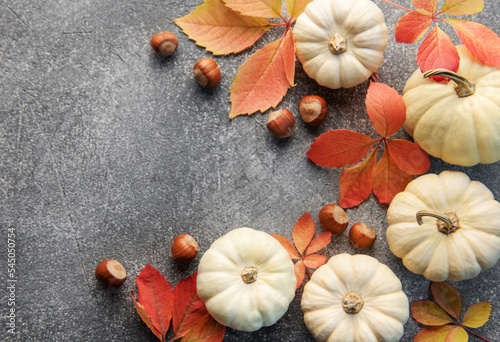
361	235
110	273
207	73
333	218
313	109
184	248
164	43
281	123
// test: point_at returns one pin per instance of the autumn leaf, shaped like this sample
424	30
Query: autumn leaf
296	7
412	26
440	326
437	51
252	89
221	30
155	300
426	5
190	317
462	7
305	246
394	170
256	8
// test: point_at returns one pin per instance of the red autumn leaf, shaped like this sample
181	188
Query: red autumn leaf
319	242
340	148
296	7
447	298
208	330
429	313
433	334
427	5
256	8
388	179
221	30
412	26
408	156
386	108
356	182
300	272
477	315
314	260
437	51
146	317
189	310
303	232
287	245
482	42
263	80
462	7
156	296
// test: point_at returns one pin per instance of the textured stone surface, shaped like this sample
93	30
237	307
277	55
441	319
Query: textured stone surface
108	151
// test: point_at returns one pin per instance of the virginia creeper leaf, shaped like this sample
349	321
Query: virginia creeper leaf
339	148
319	242
412	26
189	309
433	334
146	317
408	156
207	331
427	5
263	80
482	42
303	232
156	296
300	272
437	51
256	8
457	334
356	182
386	108
429	313
314	260
462	7
287	245
296	7
477	315
221	30
447	298
388	179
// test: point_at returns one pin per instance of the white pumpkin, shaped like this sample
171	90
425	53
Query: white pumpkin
354	298
458	121
340	43
459	239
246	279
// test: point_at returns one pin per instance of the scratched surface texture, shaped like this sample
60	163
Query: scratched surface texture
108	151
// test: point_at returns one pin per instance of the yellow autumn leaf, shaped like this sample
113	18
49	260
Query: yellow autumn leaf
477	315
256	8
296	7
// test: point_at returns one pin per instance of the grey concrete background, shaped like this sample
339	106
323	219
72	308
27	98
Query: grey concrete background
108	151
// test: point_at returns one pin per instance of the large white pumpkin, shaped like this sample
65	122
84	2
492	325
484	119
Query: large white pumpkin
340	43
246	279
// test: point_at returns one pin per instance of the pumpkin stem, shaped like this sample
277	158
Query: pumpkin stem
352	303
447	223
249	275
463	86
337	43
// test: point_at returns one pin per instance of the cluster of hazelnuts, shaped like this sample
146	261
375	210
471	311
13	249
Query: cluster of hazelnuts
312	109
206	71
334	219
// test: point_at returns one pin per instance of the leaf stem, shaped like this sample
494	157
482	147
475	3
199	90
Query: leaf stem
396	5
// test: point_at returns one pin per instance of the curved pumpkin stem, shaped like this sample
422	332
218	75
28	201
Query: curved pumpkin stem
447	222
463	86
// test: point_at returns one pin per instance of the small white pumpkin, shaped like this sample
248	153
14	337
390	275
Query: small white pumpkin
459	239
354	298
246	279
340	43
458	121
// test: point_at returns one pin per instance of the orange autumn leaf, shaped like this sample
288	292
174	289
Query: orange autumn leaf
319	242
447	297
433	333
437	51
412	26
314	260
462	7
429	313
256	8
303	232
263	80
146	318
287	245
207	331
296	7
385	108
221	30
426	5
409	157
300	272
